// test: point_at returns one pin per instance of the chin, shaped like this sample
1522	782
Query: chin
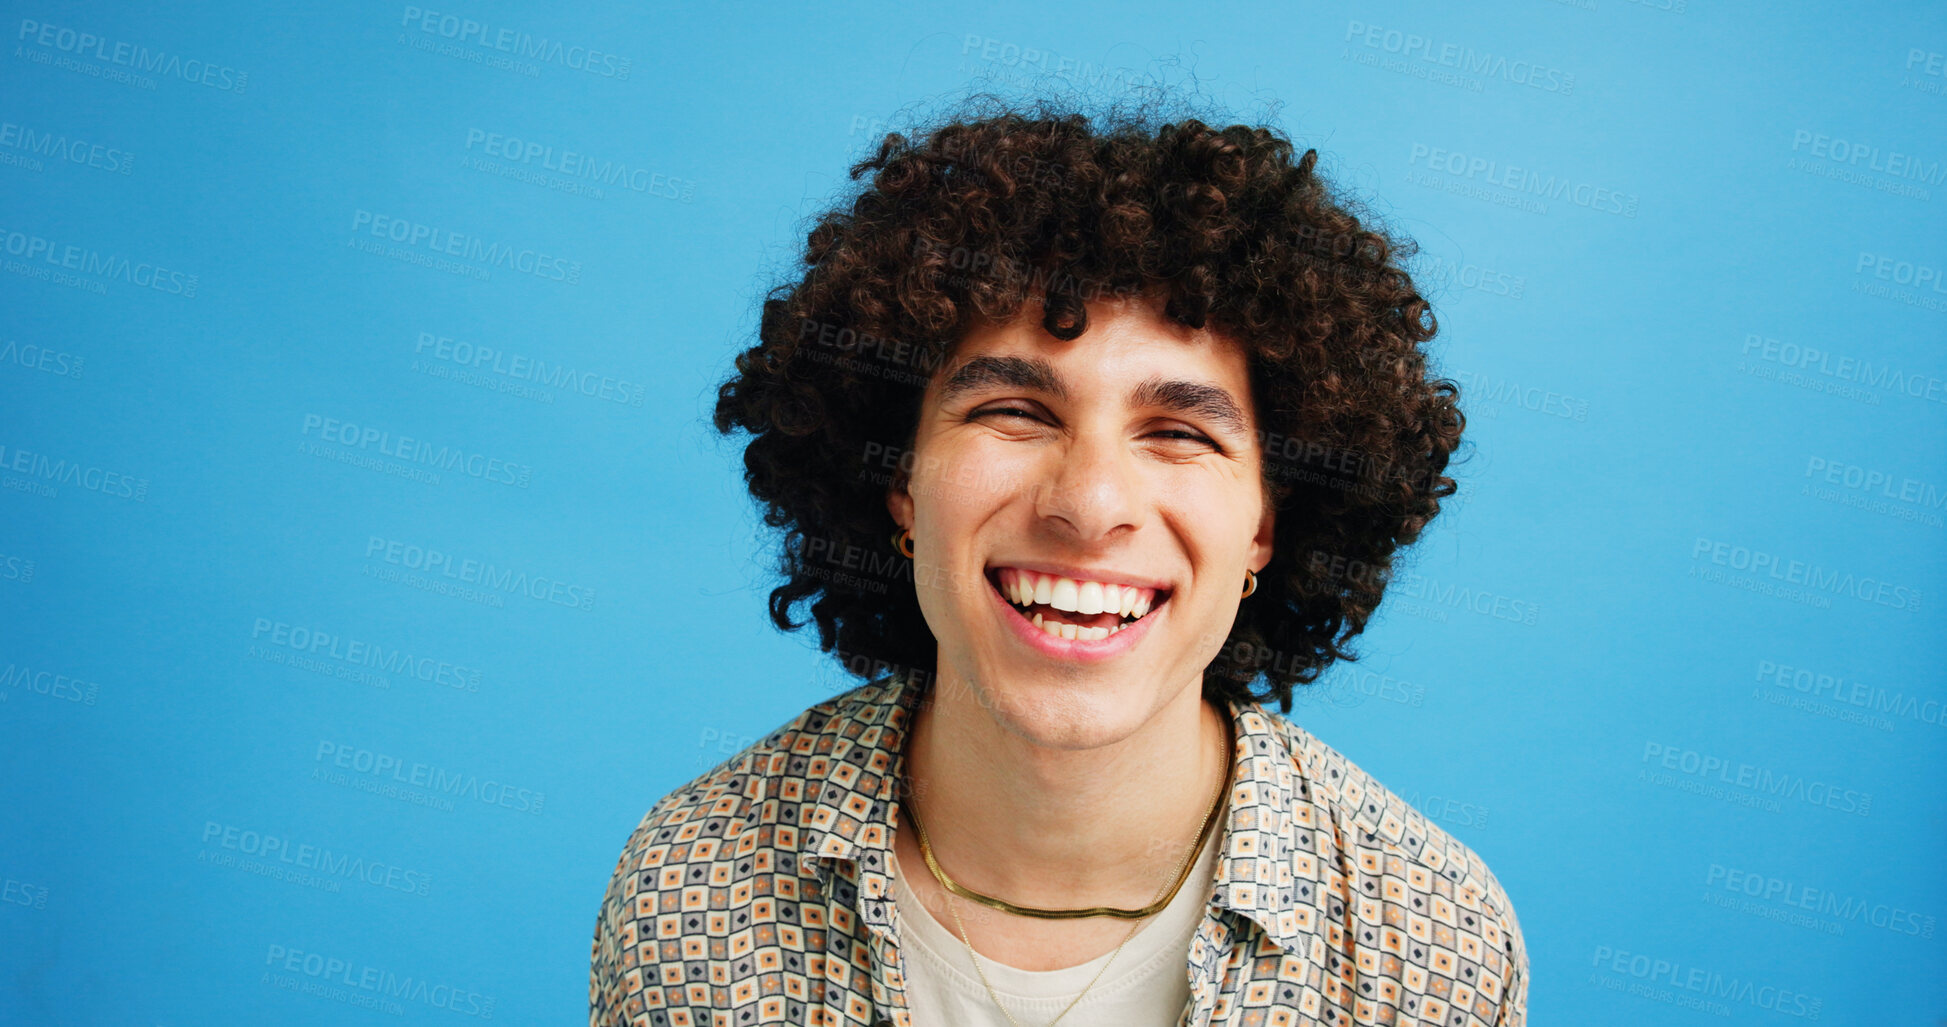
1060	715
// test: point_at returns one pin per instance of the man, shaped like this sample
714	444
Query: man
1063	764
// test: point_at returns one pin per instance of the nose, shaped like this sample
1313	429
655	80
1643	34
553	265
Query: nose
1091	487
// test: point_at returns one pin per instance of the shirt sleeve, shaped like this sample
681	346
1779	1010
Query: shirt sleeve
607	991
1513	1011
1514	999
617	971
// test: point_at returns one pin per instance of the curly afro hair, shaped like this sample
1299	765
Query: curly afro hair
994	208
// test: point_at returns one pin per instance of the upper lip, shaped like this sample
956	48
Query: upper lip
1101	574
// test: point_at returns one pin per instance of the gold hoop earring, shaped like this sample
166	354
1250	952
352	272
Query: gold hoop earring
1250	583
903	542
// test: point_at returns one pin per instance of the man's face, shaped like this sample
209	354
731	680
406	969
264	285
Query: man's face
1044	470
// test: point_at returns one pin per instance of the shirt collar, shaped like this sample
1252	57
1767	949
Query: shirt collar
847	762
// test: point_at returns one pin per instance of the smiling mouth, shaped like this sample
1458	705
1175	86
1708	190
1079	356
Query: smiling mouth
1070	608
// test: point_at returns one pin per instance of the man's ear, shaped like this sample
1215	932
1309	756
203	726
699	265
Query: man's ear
899	498
900	504
1261	543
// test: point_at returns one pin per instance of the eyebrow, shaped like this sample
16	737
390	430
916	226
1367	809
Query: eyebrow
1037	375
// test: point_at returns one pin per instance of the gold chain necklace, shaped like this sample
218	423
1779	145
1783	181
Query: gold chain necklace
1181	874
939	874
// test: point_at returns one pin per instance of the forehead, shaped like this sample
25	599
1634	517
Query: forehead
1126	357
1123	342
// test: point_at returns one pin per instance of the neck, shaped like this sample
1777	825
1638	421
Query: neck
1038	825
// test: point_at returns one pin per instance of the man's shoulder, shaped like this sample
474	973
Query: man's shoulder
729	799
729	825
719	831
1397	848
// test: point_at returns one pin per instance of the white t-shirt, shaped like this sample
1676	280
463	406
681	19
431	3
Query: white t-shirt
1148	985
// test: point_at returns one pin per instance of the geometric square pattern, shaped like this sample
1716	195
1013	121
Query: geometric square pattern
761	892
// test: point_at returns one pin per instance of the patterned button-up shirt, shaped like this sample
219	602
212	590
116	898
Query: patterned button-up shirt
760	893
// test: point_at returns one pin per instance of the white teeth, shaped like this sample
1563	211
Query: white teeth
1025	588
1073	631
1064	594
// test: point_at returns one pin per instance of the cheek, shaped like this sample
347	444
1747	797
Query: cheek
962	487
1216	507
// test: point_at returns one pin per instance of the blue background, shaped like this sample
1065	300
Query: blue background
1657	398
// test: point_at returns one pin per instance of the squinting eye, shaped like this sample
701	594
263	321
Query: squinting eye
1000	410
1179	434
